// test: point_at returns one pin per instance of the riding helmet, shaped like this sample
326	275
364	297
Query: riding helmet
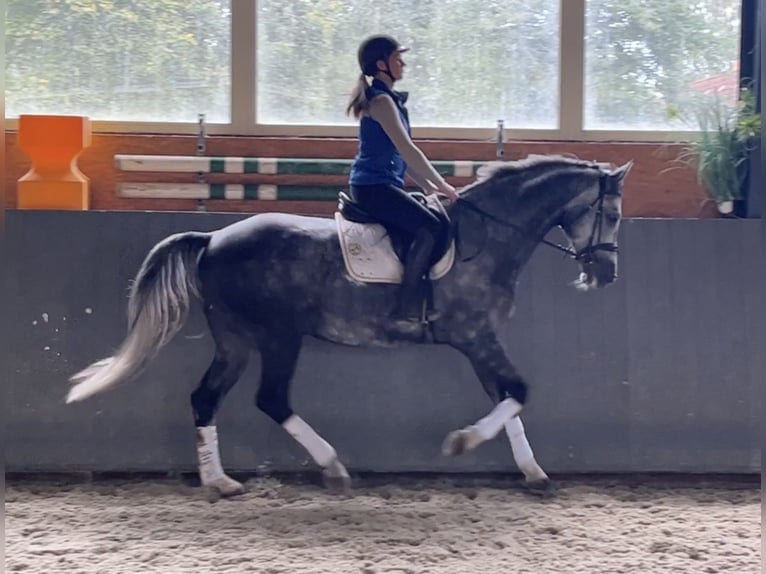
374	48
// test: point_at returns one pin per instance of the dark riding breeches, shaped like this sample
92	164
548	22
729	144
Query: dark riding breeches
394	207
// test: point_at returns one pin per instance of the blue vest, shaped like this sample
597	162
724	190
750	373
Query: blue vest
377	160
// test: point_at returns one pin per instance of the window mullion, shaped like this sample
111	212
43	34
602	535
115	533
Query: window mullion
572	68
243	62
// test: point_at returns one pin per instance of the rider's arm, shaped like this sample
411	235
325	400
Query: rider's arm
383	110
422	182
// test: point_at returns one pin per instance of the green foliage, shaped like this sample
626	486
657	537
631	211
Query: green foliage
163	60
472	61
643	55
727	132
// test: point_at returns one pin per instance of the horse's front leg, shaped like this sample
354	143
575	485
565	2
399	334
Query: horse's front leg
534	475
508	390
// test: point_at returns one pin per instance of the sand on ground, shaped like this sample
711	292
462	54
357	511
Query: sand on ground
390	525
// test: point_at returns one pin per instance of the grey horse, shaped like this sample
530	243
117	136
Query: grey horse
268	280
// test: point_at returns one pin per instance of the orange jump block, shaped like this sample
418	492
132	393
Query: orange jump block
54	181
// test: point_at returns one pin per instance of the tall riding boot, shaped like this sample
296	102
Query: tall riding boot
411	295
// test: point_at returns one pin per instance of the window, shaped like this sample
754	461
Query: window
471	62
132	60
552	69
647	61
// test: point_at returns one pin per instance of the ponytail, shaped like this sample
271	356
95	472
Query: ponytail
358	100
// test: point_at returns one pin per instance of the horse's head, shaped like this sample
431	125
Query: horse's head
526	198
591	221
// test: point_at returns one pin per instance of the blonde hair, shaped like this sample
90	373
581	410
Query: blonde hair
357	102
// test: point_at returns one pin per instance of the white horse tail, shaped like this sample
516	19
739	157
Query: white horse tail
158	306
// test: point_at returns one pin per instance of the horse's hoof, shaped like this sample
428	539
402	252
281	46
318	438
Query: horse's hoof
338	484
224	487
336	478
460	441
454	443
543	488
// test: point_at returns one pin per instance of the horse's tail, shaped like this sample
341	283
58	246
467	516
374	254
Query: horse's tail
159	303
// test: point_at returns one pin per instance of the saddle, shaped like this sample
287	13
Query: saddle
374	252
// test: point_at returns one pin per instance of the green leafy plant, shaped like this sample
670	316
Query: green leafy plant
727	133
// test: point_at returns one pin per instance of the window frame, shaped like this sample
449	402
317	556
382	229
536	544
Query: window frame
244	94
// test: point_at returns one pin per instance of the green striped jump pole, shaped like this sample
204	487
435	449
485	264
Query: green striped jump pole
267	166
267	192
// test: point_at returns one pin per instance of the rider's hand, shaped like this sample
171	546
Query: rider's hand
449	191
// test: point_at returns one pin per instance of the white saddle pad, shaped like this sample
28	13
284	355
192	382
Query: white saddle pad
369	256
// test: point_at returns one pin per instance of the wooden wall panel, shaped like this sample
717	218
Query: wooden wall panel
654	188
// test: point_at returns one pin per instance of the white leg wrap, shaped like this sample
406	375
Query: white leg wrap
493	423
209	457
320	450
522	452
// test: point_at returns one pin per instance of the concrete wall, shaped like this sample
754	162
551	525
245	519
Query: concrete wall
660	372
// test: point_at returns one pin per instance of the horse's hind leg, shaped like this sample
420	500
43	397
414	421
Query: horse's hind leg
230	361
279	357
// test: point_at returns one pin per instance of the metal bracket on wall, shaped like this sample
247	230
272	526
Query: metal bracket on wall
201	151
500	148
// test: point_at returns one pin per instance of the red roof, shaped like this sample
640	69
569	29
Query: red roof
726	84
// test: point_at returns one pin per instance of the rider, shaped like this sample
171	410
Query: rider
386	152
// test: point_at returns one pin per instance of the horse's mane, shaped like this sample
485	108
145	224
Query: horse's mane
496	170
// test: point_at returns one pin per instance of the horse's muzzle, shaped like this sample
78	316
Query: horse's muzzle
600	271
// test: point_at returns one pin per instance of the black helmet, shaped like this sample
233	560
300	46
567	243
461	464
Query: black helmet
374	48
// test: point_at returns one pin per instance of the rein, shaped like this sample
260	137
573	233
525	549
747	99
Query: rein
585	253
480	211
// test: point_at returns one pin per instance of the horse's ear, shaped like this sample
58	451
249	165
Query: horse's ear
622	171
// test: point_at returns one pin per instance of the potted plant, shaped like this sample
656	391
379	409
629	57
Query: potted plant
719	154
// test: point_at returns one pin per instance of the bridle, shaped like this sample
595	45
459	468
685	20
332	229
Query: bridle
594	241
585	255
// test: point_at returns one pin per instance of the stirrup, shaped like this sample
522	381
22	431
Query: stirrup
425	316
408	324
432	315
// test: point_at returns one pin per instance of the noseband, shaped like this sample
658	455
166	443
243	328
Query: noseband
585	255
